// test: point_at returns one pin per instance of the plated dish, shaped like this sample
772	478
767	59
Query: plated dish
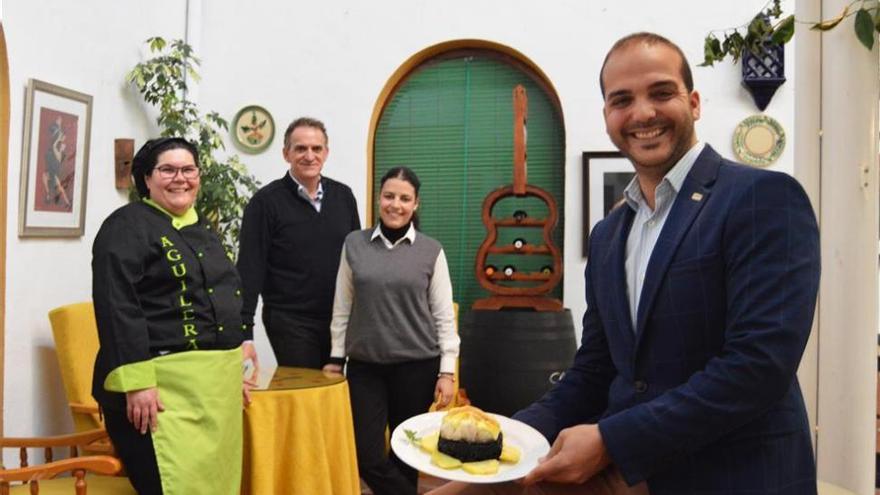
531	446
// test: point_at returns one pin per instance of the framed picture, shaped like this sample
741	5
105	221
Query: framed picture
54	161
253	129
606	174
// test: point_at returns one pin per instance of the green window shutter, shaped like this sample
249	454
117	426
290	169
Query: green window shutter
451	121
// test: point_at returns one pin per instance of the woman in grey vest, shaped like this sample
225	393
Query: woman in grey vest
394	321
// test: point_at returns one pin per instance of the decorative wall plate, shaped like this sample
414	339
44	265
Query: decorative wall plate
758	140
252	129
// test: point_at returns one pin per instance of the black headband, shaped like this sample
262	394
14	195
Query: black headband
145	158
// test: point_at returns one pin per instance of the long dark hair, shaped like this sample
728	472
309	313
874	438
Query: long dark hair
404	174
145	159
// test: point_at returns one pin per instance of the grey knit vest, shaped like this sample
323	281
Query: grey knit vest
391	320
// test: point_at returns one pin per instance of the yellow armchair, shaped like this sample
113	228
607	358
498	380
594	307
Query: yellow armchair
76	344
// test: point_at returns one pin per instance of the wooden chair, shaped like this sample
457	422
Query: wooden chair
76	345
44	478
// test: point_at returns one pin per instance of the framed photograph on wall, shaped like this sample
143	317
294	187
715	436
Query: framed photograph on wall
605	176
54	161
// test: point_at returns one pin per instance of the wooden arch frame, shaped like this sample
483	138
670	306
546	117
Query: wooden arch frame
4	162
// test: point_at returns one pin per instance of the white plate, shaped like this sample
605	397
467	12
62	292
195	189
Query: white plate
531	443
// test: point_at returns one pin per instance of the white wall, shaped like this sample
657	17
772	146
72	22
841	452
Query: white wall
847	319
88	48
329	60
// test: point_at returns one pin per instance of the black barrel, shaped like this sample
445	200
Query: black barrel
510	358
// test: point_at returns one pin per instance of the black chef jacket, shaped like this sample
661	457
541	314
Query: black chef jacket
160	285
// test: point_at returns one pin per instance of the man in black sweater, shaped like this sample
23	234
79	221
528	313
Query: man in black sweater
290	245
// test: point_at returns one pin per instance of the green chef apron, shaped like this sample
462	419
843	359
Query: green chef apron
198	442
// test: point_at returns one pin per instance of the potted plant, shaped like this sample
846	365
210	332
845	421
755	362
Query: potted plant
226	184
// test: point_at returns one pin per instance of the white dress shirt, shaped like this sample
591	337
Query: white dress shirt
648	223
304	193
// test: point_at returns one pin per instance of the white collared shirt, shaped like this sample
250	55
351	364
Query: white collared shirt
409	236
648	224
304	193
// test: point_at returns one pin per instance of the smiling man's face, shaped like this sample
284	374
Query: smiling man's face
649	113
306	153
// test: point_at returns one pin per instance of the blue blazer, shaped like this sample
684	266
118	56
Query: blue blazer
701	396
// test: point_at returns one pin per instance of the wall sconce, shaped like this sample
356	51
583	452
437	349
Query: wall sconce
123	155
763	74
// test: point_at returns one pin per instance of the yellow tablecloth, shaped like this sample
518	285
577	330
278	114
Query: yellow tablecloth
300	440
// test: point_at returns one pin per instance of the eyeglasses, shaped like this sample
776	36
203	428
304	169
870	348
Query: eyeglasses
170	172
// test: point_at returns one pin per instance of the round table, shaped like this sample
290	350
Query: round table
298	436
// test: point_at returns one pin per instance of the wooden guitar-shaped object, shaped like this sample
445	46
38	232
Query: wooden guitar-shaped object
490	277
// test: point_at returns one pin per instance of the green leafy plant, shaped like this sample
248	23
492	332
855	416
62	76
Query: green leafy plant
226	186
769	26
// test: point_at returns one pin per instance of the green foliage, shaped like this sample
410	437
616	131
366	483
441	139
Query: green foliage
761	30
784	31
226	185
751	36
864	26
411	436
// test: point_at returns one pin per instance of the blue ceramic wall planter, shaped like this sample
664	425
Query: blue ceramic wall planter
763	74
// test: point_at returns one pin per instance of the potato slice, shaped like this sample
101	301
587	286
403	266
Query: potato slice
510	454
444	461
428	443
489	466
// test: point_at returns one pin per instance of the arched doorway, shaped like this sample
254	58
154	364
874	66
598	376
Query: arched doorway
448	114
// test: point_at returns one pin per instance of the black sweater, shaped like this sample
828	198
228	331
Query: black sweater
289	252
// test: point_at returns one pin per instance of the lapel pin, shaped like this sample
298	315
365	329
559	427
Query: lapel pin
697	196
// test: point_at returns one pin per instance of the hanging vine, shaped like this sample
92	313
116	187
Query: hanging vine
769	26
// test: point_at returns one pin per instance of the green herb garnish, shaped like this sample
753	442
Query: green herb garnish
411	435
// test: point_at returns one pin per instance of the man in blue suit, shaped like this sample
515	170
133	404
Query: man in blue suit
700	294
